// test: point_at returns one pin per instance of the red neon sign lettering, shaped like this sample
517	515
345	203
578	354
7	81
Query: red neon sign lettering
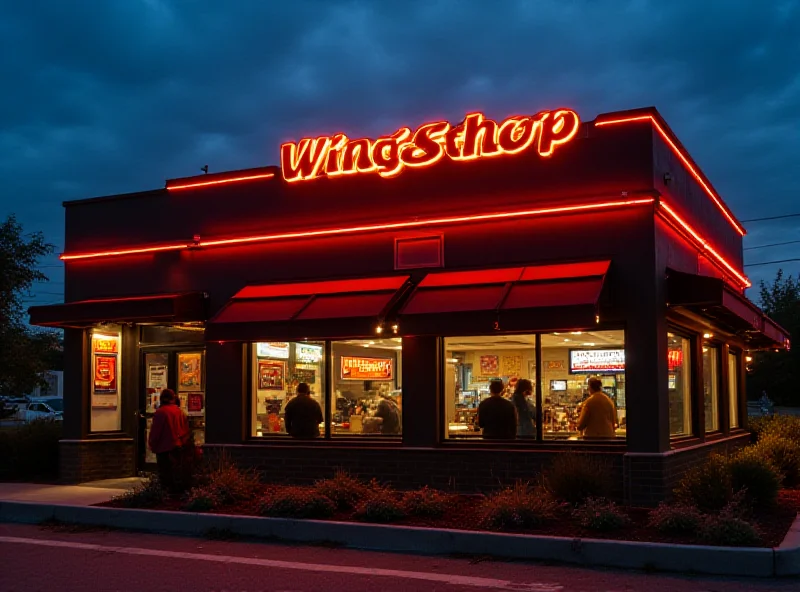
476	137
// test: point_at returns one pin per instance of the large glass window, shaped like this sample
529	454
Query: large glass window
569	361
679	364
278	367
472	364
733	389
711	387
367	394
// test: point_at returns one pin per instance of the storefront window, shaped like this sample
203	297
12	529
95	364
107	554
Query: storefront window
679	363
569	361
472	363
367	387
733	389
106	384
711	387
278	367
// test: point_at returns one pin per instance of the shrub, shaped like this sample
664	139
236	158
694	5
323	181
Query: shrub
520	506
229	484
148	494
679	519
342	489
425	502
380	505
783	426
30	450
754	474
600	514
296	502
784	454
575	477
728	530
706	486
202	499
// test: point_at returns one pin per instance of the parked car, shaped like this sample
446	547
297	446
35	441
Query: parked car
45	408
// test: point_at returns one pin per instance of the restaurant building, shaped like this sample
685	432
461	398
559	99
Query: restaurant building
414	269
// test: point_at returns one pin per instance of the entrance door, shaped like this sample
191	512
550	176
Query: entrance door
183	371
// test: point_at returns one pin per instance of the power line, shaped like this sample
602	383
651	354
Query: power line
772	245
771	218
772	262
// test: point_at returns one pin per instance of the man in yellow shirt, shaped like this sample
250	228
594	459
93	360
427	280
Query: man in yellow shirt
599	414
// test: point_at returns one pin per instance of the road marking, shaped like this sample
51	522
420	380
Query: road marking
454	579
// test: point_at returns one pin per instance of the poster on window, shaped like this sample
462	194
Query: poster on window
307	353
271	375
596	361
157	377
510	366
105	374
104	344
357	368
274	349
194	402
489	365
190	371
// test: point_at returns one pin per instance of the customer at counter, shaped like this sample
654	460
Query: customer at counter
302	415
526	410
389	413
598	417
496	415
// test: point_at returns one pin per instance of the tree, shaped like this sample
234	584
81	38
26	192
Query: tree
778	373
24	353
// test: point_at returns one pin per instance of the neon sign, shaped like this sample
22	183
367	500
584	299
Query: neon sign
476	137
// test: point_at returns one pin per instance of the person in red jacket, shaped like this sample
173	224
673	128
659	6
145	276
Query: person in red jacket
168	434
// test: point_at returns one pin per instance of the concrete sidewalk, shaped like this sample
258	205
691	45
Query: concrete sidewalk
85	494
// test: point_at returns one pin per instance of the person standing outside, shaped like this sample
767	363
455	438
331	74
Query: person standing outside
496	415
168	434
302	415
598	417
526	410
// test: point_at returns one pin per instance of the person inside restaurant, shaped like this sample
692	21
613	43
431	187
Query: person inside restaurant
496	414
598	417
526	410
303	415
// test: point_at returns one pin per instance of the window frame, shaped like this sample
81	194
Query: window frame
693	340
538	441
734	405
326	435
716	381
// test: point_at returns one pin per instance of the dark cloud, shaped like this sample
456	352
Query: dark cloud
116	96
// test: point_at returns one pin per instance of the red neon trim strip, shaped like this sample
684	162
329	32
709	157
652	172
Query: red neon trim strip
679	153
372	227
705	246
220	181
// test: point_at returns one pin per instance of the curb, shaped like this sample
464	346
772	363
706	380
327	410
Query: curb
737	561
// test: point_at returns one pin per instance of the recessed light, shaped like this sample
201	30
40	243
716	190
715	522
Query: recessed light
576	332
590	344
566	339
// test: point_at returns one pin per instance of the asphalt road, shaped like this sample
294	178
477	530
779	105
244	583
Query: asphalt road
67	559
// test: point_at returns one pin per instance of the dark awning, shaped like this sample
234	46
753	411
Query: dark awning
157	308
307	310
513	298
712	298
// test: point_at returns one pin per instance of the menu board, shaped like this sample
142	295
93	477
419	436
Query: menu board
190	373
271	375
357	368
596	361
305	375
307	353
273	349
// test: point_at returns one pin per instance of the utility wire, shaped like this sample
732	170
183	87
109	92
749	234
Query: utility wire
772	262
771	218
772	245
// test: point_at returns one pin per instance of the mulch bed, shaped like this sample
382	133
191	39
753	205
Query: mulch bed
463	515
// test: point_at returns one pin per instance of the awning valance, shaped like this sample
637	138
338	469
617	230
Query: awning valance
156	308
712	298
513	298
307	310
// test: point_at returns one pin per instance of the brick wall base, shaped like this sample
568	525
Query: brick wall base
451	469
651	478
91	460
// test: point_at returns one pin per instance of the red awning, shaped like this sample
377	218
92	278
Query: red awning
524	298
711	298
322	309
157	308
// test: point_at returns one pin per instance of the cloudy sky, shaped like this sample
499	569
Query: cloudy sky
113	96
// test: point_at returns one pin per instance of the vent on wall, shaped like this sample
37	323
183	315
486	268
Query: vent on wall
419	251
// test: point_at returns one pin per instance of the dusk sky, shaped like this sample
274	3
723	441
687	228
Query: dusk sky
102	97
